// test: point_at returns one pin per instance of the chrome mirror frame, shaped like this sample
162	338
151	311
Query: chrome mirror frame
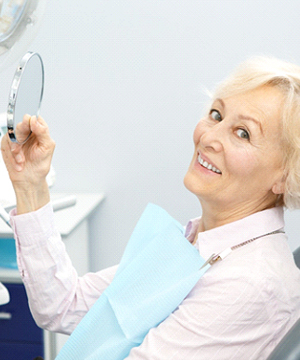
13	96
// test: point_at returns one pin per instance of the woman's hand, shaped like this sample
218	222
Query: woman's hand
29	164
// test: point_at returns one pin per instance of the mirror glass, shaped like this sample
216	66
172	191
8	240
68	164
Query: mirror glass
25	96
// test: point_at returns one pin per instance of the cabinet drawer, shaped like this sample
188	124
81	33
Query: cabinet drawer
8	257
16	322
20	351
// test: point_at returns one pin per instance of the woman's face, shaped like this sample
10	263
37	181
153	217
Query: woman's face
238	151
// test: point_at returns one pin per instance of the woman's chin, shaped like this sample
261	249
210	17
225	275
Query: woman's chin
187	181
191	182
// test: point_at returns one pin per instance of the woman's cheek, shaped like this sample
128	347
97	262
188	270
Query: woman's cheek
197	133
242	163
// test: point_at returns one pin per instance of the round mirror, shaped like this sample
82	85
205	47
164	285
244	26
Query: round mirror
25	96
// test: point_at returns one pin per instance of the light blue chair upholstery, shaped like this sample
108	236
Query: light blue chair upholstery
289	346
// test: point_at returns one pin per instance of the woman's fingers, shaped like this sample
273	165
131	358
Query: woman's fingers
36	153
22	130
11	158
40	129
16	151
41	136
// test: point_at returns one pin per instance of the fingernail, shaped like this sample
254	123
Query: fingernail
18	167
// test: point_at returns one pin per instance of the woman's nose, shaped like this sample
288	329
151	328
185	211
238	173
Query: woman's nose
212	138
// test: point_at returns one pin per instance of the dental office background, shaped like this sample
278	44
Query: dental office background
124	88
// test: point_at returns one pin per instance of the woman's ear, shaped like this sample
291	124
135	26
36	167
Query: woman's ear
279	186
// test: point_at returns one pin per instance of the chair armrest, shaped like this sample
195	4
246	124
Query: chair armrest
296	254
289	346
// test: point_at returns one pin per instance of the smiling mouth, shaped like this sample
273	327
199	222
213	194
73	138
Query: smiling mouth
208	165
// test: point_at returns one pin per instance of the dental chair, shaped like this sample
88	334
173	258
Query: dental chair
289	346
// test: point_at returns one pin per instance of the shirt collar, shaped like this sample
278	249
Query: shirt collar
228	235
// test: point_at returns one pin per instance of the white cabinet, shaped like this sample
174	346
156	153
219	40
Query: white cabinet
73	224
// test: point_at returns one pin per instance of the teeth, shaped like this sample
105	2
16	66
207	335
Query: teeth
208	166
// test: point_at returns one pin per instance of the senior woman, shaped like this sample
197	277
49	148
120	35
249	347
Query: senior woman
245	170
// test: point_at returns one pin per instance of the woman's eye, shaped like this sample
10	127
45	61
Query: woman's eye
215	115
243	134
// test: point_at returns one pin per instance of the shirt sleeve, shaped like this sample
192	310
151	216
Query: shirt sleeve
224	317
58	297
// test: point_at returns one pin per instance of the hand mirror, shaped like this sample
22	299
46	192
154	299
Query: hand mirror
25	96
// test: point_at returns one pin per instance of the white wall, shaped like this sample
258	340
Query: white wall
124	83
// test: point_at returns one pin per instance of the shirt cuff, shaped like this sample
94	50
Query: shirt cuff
34	225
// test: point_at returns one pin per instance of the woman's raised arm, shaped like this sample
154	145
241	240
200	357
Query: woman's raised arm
29	164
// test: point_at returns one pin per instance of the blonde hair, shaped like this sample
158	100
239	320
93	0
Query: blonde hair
259	71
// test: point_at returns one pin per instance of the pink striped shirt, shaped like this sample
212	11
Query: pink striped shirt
240	309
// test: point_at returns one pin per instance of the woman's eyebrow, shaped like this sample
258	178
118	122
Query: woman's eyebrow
258	123
243	117
221	101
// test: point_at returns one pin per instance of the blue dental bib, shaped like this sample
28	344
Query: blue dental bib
157	271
